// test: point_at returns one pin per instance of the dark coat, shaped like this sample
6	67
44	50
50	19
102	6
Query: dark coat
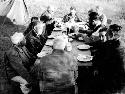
18	62
108	62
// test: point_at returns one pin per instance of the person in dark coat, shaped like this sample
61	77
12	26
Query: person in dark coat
36	38
47	18
108	63
56	72
97	20
18	62
71	18
34	21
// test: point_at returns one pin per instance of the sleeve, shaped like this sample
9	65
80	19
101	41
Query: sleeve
16	63
10	72
36	71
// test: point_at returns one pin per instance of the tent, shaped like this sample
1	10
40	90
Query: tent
15	10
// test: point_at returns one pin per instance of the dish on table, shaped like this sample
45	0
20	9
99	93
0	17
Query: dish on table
84	57
51	37
84	46
49	43
57	29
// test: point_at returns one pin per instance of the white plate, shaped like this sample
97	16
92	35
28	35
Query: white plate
51	37
41	54
57	29
82	47
84	58
49	43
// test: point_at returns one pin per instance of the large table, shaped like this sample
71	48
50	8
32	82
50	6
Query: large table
75	51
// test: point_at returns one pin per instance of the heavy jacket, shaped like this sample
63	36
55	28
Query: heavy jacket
56	72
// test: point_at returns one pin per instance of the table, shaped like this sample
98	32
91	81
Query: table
75	51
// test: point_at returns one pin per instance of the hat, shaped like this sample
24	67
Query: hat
17	38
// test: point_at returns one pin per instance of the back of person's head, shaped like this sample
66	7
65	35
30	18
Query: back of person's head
93	15
16	38
59	43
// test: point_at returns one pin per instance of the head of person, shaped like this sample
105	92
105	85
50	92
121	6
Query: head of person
99	9
73	11
50	9
113	31
18	39
60	43
93	16
39	28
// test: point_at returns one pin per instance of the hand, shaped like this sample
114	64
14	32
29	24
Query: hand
24	89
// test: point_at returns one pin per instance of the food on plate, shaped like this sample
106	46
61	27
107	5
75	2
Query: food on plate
41	54
57	29
84	57
84	46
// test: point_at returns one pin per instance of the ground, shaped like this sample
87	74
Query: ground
114	10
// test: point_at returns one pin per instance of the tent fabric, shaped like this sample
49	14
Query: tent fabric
5	7
15	10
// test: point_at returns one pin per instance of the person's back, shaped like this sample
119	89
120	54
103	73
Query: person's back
56	73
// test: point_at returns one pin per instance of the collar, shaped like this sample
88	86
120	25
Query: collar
58	51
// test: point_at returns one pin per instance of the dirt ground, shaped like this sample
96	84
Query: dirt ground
114	10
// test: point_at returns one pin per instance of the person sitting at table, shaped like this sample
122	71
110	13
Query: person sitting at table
18	62
31	25
36	38
97	21
47	18
72	17
108	63
57	71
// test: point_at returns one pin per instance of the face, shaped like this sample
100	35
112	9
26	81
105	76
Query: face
39	28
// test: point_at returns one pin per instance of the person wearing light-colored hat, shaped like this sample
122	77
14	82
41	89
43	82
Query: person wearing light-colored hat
56	71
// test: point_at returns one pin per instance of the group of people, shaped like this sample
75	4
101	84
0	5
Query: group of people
57	73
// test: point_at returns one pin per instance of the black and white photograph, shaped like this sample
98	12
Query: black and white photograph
62	46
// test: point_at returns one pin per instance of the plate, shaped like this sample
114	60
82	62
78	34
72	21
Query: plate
41	54
83	47
49	43
84	57
57	29
51	37
70	39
